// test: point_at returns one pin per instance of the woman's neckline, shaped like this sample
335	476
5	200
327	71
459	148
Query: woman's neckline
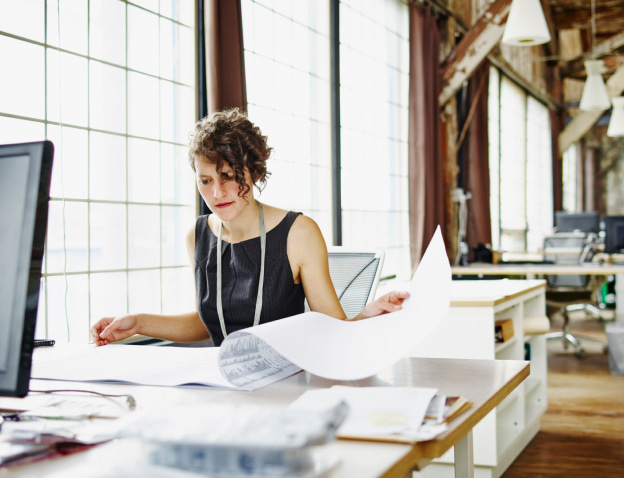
251	238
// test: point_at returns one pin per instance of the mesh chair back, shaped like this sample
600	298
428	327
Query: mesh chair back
355	276
567	249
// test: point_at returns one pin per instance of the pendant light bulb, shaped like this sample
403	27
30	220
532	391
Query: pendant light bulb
526	24
616	124
595	96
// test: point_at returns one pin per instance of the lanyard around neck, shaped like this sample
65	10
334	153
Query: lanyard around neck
261	283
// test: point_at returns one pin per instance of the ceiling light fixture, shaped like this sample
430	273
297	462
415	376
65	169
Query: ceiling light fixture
616	124
595	96
526	24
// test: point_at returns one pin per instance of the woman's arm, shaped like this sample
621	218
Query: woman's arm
185	328
307	254
176	328
306	246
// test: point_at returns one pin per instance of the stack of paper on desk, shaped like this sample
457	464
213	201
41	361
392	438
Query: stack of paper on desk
378	413
257	356
387	414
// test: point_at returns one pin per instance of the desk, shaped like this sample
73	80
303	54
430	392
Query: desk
554	269
484	382
468	333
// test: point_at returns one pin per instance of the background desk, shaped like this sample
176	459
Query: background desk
484	382
532	270
468	332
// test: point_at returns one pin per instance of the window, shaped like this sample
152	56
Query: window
288	93
494	154
374	90
111	84
521	191
287	62
539	175
570	176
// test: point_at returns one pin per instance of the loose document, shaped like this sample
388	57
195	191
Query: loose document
258	356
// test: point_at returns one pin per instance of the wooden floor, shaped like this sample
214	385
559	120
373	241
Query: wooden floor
582	431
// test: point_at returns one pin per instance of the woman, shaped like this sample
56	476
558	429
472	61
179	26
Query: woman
271	259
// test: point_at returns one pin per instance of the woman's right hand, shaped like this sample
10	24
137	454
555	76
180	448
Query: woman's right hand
112	329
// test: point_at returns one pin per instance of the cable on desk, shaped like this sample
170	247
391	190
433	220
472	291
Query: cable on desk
129	398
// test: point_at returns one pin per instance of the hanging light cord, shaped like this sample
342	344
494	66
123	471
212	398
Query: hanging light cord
593	27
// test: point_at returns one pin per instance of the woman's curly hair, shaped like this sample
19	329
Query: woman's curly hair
229	136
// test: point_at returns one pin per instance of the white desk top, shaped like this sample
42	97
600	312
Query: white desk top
590	268
478	293
484	382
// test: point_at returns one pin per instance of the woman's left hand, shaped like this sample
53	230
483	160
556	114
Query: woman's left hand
390	302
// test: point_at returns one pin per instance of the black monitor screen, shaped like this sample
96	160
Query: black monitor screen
577	221
25	171
614	234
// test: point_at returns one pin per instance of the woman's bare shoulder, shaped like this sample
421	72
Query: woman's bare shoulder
305	234
273	215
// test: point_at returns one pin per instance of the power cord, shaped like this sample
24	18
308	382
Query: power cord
130	401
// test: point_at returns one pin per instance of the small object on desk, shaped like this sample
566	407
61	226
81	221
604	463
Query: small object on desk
534	325
14	453
444	409
503	330
43	342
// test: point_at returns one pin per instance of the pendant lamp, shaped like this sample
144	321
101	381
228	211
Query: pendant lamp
526	24
595	96
616	124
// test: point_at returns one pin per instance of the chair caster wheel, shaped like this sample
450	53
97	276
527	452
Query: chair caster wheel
580	353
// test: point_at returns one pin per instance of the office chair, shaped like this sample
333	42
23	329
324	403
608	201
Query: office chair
355	275
569	293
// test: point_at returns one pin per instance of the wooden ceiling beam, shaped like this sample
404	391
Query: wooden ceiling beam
552	47
476	44
583	122
608	17
614	43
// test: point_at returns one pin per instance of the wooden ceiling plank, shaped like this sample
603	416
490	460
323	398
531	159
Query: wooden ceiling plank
477	44
605	48
582	123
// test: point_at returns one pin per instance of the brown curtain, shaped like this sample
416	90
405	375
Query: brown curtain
225	65
426	168
475	164
556	126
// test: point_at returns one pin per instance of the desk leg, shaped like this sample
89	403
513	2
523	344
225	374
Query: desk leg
464	458
619	297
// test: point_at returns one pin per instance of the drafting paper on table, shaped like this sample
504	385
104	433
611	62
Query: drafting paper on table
257	356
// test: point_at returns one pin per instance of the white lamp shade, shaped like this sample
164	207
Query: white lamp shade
616	124
595	96
526	24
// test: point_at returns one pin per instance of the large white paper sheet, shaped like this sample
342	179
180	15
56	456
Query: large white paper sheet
257	356
343	350
143	365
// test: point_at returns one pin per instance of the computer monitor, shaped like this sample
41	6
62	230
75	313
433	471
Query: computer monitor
25	171
614	234
577	221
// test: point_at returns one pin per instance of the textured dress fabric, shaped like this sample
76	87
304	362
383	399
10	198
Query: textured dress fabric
240	278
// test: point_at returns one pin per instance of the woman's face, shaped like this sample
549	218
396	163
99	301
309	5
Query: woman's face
220	190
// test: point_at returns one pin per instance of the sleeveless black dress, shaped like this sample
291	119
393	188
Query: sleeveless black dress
241	273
